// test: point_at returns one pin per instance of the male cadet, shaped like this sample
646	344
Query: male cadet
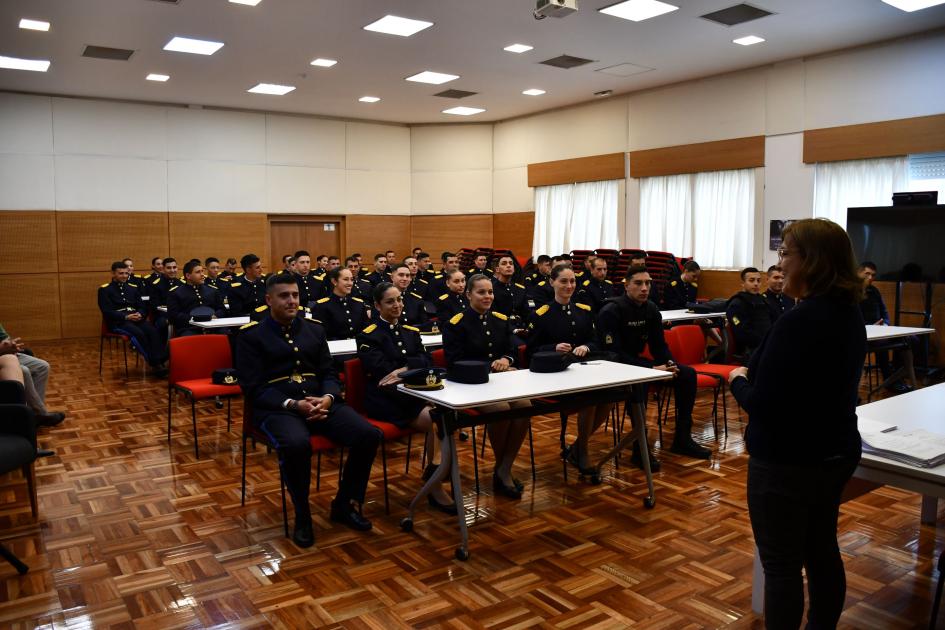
509	297
597	289
418	285
133	280
541	292
416	252
248	290
288	263
212	269
683	291
183	299
874	312
778	303
124	312
361	287
229	270
310	288
629	323
333	262
415	313
159	290
362	270
542	271
480	265
289	379
438	283
390	256
425	267
380	273
747	312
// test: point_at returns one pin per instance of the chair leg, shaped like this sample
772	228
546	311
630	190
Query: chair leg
937	601
170	392
475	457
341	463
407	456
193	418
285	510
229	402
318	472
384	467
724	411
29	473
101	350
243	484
124	351
531	450
562	442
12	559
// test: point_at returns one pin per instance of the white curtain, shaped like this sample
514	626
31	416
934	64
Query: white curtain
576	216
857	183
709	216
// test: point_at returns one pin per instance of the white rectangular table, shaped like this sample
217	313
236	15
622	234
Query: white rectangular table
681	315
340	347
524	384
879	336
222	322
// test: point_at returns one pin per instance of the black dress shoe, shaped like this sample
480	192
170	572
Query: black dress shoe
571	456
637	461
428	471
346	514
302	534
691	449
50	419
446	508
508	491
44	452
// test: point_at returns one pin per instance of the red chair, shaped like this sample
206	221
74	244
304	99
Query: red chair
112	337
192	362
354	396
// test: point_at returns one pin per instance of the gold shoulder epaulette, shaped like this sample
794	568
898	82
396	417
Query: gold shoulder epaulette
260	309
369	329
240	275
542	283
455	319
501	316
175	288
105	285
608	281
444	296
236	284
210	285
322	301
249	325
584	306
357	299
520	286
155	281
419	297
673	283
405	326
695	284
586	283
472	270
424	281
313	320
438	276
542	310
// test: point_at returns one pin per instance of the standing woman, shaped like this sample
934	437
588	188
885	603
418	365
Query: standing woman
567	326
803	453
342	314
388	348
454	300
480	334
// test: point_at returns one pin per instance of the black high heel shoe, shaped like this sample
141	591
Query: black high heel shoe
570	455
499	487
446	508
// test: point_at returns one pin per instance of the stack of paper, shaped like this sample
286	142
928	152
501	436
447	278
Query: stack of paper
917	447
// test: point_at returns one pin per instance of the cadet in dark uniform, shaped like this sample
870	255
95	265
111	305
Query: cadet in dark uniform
596	289
248	290
778	302
480	334
380	273
480	265
454	300
214	278
134	280
540	272
160	287
342	314
628	324
229	270
509	296
425	267
157	270
361	287
387	348
414	306
874	312
418	286
438	284
310	287
185	298
681	292
748	313
124	312
286	372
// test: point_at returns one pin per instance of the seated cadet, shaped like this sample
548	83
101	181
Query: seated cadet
418	285
289	379
587	271
541	271
747	312
874	312
342	314
229	270
454	300
540	292
288	263
157	270
596	289
388	348
183	299
310	288
134	280
415	252
248	290
509	296
379	274
361	287
391	257
629	324
438	284
33	373
414	307
213	269
567	326
125	313
678	294
480	334
480	265
425	267
778	302
158	292
321	263
362	270
333	263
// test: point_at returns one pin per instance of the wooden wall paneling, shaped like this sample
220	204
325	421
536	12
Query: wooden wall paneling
719	284
594	168
29	305
721	155
369	234
78	293
871	140
28	241
219	234
92	241
515	231
445	232
288	237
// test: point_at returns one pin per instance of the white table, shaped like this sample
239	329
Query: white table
896	338
919	409
681	315
524	384
340	347
883	333
222	322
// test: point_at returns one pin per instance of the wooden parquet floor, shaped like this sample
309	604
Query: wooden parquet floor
134	532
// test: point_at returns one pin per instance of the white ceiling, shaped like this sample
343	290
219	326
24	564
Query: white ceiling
275	41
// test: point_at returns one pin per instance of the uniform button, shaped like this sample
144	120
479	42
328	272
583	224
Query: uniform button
403	352
488	332
295	349
298	363
490	345
400	343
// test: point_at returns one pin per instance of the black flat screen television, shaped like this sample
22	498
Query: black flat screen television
906	242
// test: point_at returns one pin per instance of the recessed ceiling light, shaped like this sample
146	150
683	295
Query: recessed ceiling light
913	5
369	99
195	46
393	25
158	77
15	63
428	76
518	48
463	111
324	63
533	92
271	88
34	25
638	10
748	40
251	3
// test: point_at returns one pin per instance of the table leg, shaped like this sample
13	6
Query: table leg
638	435
757	586
447	445
929	514
462	552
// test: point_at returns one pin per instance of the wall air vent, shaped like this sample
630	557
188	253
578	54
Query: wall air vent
566	62
104	52
454	93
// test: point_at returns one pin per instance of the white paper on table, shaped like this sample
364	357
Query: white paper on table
918	444
867	425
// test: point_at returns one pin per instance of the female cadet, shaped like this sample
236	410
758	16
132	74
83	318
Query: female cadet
454	300
388	348
479	334
567	326
342	314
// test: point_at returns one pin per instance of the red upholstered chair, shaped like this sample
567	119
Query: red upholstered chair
192	362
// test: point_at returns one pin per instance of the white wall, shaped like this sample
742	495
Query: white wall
451	169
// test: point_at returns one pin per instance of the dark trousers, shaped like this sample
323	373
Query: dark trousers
793	511
148	338
345	427
684	392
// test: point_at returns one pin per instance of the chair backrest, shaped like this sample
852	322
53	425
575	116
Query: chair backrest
672	342
354	384
690	344
522	357
197	357
439	357
732	355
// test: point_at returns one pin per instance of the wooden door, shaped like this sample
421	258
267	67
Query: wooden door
316	236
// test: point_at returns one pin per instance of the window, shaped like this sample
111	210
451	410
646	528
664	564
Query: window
927	172
857	184
709	216
576	216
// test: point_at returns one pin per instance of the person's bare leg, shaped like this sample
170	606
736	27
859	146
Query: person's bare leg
10	369
424	422
515	432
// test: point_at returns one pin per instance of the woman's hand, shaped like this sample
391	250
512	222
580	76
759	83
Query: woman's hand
563	347
393	378
581	351
739	371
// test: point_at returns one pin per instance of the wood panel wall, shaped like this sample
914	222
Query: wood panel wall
369	234
29	305
719	284
92	241
439	233
219	234
595	168
872	140
515	231
721	155
28	242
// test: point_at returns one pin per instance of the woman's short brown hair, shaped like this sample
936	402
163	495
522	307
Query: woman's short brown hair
828	265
